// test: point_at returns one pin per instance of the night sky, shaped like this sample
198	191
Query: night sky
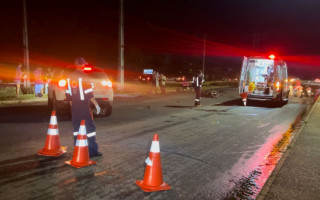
166	35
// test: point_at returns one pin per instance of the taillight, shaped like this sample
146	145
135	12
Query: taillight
62	83
148	78
106	83
278	86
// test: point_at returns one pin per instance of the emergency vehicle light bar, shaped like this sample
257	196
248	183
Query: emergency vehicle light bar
272	57
87	69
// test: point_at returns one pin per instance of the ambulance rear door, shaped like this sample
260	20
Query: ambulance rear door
243	75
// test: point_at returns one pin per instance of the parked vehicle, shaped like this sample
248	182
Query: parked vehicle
264	79
102	90
145	78
180	78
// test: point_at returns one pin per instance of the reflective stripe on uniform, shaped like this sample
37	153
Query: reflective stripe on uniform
88	90
82	143
69	88
81	89
75	133
197	99
53	131
197	81
91	134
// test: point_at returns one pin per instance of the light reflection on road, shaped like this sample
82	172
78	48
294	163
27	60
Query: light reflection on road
248	175
262	162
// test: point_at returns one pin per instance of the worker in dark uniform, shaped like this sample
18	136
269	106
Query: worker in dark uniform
197	84
80	93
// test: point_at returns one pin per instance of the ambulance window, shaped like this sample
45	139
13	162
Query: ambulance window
279	69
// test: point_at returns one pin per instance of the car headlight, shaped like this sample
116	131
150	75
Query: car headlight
62	83
106	83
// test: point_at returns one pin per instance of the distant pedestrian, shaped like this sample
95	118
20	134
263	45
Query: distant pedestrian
297	88
197	84
48	77
154	82
157	76
17	79
163	80
38	82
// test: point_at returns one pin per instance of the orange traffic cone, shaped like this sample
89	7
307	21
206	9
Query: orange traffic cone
152	180
244	98
52	146
81	151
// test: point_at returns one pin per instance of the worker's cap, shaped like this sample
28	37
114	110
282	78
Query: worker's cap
80	61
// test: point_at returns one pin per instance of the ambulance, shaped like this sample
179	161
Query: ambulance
264	79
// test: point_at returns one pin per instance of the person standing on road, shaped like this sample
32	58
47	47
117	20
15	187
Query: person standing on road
197	84
48	77
154	82
80	94
17	79
157	76
297	89
163	80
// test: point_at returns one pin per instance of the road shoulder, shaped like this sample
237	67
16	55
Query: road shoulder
296	176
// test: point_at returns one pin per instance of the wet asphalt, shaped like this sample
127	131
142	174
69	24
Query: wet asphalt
297	175
219	151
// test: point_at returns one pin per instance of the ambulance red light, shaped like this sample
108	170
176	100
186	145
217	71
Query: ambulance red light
62	83
272	57
87	69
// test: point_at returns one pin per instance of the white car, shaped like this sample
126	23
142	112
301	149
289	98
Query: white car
102	91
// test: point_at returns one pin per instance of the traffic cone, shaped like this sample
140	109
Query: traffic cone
244	98
152	180
81	151
52	146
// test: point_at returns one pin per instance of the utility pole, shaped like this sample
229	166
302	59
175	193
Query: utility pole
204	53
121	50
25	42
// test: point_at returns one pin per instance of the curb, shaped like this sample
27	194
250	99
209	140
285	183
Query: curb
20	102
266	187
126	95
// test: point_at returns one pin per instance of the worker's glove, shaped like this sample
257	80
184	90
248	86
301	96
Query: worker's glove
98	109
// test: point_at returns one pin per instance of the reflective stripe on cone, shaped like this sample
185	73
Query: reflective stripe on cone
52	145
81	151
152	180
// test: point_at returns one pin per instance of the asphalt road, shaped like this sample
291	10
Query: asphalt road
222	150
